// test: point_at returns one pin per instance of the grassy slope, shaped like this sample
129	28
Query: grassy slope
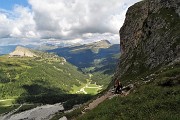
5	109
6	105
36	76
158	99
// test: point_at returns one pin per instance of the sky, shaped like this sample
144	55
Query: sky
24	22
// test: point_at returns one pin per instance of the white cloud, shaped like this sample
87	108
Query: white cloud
65	20
17	24
92	37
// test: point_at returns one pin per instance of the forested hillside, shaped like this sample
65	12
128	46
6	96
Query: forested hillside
38	75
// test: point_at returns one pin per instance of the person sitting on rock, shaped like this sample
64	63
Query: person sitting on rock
118	86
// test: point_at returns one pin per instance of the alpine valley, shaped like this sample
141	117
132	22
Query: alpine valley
32	77
76	82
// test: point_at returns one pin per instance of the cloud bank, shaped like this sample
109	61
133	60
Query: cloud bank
63	20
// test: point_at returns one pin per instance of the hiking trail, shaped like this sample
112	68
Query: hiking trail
108	95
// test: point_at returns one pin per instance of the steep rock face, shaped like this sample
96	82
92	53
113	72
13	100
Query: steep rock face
22	52
150	36
101	44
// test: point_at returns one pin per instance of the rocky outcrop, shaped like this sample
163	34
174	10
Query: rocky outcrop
103	44
100	44
150	36
44	112
22	52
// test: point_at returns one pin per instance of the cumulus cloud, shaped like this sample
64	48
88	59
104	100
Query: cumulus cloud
17	24
65	20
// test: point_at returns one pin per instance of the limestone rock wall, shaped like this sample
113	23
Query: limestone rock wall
22	52
150	36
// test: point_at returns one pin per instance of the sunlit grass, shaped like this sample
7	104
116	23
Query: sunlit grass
7	102
92	91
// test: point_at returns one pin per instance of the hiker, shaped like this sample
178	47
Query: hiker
118	86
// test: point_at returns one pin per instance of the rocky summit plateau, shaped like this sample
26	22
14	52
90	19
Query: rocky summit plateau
22	52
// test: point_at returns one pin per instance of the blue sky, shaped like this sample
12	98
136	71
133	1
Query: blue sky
9	4
61	21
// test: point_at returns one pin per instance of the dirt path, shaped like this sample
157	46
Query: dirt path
107	95
96	102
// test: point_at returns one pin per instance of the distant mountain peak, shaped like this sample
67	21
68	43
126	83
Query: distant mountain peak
22	52
103	41
95	46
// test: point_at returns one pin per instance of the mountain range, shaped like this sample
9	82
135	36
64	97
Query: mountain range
91	56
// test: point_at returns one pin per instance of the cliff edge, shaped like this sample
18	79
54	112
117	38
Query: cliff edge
150	37
22	52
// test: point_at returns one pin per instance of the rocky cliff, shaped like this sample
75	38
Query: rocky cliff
22	52
150	37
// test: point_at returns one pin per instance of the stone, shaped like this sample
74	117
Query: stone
22	52
149	36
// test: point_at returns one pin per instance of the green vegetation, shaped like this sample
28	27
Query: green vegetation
46	79
88	88
7	105
91	90
157	99
148	102
5	109
100	62
35	76
101	79
7	102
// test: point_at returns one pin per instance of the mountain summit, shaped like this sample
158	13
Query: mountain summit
94	47
100	44
22	52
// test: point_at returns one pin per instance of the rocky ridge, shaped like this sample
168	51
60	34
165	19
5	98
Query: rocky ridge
94	47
